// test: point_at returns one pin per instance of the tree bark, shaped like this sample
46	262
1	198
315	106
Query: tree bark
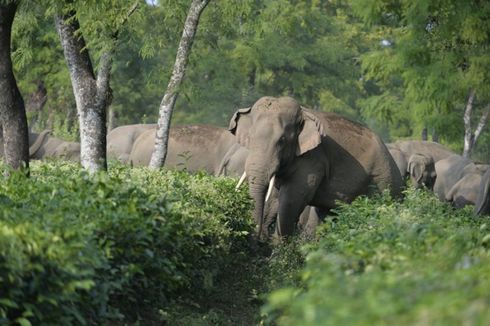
481	124
468	133
470	137
35	103
92	94
168	101
12	111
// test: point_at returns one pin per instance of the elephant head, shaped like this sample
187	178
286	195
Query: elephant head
275	131
422	170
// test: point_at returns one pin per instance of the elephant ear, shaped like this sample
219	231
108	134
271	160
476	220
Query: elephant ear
311	134
240	125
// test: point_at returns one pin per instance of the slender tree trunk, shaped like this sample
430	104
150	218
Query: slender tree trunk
481	124
435	136
468	133
470	137
168	101
92	95
111	119
35	103
12	111
424	134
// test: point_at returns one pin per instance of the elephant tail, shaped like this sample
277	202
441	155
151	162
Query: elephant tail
482	205
39	142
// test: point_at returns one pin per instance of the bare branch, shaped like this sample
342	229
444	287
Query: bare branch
482	123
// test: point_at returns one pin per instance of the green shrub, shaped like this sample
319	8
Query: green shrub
386	262
75	249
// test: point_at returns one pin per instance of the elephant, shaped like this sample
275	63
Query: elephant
233	163
43	146
455	176
190	147
467	189
400	160
416	159
120	140
422	171
312	158
482	204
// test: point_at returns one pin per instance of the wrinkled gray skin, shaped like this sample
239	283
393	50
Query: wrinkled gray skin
416	159
482	204
120	140
458	180
233	162
466	190
317	158
422	171
42	146
190	147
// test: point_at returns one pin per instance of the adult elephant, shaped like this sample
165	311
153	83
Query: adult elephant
416	159
313	159
233	162
120	140
467	189
452	170
42	146
482	204
190	147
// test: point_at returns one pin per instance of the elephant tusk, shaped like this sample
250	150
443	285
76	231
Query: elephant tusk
244	175
269	190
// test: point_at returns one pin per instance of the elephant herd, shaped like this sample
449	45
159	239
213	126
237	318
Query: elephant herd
298	163
452	177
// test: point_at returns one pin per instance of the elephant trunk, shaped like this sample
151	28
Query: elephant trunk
483	202
257	192
38	142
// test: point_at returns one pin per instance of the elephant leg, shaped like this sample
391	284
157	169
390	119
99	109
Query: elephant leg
295	193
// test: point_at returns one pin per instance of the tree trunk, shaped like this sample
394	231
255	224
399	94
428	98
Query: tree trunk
168	101
35	103
468	133
92	95
435	136
470	137
424	134
111	119
12	111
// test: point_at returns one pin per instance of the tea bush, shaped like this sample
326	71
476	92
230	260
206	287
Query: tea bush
383	262
76	249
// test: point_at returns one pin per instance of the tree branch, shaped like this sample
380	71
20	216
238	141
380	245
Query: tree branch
482	123
105	64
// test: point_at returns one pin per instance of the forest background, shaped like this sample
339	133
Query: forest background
406	69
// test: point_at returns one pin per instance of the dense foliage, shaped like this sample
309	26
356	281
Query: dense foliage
75	249
386	262
395	65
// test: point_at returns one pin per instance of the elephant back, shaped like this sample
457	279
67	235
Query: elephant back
357	145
